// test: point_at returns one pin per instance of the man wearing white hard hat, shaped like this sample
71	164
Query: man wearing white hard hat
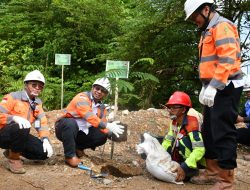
18	111
84	124
222	84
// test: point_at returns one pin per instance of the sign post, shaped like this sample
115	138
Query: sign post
122	68
62	59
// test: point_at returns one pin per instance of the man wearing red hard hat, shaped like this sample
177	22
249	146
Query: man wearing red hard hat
184	140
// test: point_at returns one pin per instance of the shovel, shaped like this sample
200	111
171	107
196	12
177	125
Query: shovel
91	172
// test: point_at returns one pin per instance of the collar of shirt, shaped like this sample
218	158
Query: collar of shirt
93	102
185	120
95	105
213	21
25	97
177	128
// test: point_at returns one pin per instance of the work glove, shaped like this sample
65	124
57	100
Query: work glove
201	95
180	174
111	116
47	147
116	129
209	96
22	122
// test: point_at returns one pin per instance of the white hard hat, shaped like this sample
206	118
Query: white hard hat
246	83
34	76
104	82
191	6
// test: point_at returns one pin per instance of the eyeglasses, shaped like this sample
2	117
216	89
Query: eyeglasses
103	90
37	85
175	107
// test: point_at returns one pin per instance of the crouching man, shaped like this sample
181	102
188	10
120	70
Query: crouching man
184	140
18	110
84	124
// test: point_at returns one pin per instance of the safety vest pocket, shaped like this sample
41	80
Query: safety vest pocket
20	110
208	46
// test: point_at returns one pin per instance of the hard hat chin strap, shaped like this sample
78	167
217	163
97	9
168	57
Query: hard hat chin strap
211	9
204	26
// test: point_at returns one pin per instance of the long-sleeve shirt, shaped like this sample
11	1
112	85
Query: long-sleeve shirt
86	112
219	49
245	113
189	142
19	104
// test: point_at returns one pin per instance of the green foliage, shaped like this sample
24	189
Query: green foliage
144	76
152	35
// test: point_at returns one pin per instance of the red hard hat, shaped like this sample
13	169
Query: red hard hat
180	98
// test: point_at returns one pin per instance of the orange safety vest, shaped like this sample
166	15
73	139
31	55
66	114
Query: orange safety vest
219	50
81	107
17	104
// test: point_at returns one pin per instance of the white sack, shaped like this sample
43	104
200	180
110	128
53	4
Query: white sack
158	162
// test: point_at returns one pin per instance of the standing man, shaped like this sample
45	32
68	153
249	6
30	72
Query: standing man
184	140
220	73
18	110
84	124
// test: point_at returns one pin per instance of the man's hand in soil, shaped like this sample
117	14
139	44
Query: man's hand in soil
180	174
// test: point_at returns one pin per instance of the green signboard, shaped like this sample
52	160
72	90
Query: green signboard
118	69
62	59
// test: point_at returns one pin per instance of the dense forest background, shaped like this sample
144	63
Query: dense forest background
152	35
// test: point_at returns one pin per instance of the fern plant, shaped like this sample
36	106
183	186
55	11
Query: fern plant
136	91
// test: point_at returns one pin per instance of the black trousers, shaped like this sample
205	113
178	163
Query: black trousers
19	140
243	136
68	132
219	132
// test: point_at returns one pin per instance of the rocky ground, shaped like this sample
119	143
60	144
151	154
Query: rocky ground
126	169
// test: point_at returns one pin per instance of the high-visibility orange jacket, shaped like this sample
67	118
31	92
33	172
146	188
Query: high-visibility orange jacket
81	107
219	49
17	104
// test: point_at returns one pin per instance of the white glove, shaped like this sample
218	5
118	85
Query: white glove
209	96
47	147
111	116
201	95
116	129
22	122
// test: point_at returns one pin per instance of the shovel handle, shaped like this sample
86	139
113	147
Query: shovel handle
82	167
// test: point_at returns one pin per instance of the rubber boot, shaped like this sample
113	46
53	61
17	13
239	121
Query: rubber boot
225	180
14	164
209	176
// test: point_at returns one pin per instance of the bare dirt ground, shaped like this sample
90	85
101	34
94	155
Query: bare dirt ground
126	170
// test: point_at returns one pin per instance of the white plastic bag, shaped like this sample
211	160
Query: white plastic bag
158	162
